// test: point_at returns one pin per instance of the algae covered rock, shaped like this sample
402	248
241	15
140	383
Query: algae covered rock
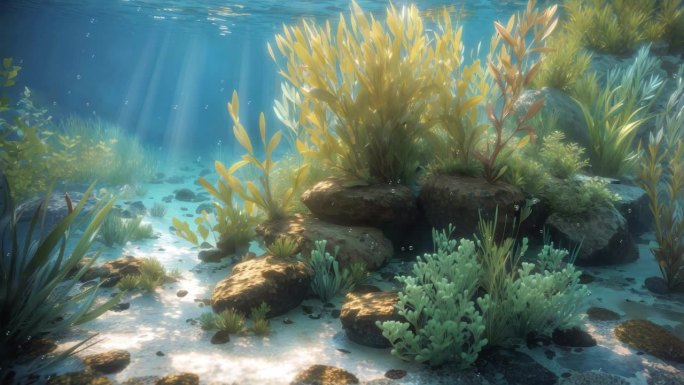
108	362
461	200
324	375
179	379
281	283
651	338
78	378
602	232
365	245
361	311
633	204
112	272
374	205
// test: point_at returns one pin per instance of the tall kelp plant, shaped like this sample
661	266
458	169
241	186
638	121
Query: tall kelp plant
38	276
517	50
365	85
662	176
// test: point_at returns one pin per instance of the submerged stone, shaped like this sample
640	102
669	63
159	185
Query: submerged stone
651	338
324	375
108	362
179	379
602	314
281	283
360	312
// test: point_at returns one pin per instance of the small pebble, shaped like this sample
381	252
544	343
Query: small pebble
160	353
315	316
345	351
287	321
182	293
395	374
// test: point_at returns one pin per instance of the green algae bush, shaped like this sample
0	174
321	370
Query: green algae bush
37	275
329	279
471	294
568	62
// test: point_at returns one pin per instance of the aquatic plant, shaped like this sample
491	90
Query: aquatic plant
152	275
517	50
129	282
328	279
117	230
262	195
467	295
208	321
230	225
364	91
567	62
35	152
563	160
662	176
614	113
260	324
573	198
230	320
283	247
158	210
37	276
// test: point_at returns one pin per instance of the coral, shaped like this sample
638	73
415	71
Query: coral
650	338
37	274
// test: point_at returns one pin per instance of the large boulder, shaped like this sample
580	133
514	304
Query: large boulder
360	312
281	283
376	205
634	206
461	200
601	231
365	245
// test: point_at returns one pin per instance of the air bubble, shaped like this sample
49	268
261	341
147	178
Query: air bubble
126	102
175	106
78	77
410	248
206	106
87	34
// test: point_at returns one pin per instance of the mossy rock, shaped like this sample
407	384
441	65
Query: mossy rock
78	378
179	379
324	375
650	338
108	362
602	314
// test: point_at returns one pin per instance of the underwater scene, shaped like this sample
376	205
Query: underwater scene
342	192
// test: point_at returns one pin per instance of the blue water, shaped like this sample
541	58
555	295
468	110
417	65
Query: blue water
164	70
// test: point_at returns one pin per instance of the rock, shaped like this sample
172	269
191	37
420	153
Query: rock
208	207
360	312
184	195
181	293
78	378
35	348
395	374
574	337
648	337
515	367
212	255
179	379
280	283
143	380
56	208
137	208
220	337
111	272
108	362
634	206
602	232
374	206
121	306
593	378
357	244
324	375
602	314
656	285
460	200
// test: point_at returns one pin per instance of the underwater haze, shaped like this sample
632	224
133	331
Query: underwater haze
342	192
165	70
